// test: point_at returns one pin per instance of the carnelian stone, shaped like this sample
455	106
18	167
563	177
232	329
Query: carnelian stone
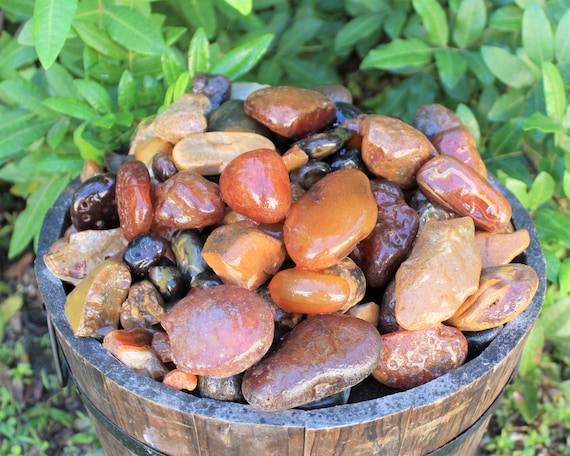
325	224
256	184
308	292
455	185
134	203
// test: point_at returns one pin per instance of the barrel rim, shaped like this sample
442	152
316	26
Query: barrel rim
54	294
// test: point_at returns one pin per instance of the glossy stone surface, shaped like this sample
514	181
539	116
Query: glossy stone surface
434	118
231	116
163	166
144	306
73	257
221	389
325	224
93	306
133	348
93	206
144	251
334	92
453	184
367	311
348	157
477	341
309	173
394	149
134	203
501	248
208	153
323	355
187	247
219	331
387	321
380	254
460	143
442	270
321	145
169	282
291	112
243	254
185	116
412	358
182	381
188	200
504	292
216	87
256	184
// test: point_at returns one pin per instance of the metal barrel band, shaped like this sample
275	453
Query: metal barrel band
130	443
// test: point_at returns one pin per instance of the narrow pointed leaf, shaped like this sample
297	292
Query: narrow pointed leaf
554	92
403	56
133	30
541	190
29	221
508	68
469	23
540	122
57	132
199	52
126	91
537	37
171	66
562	38
242	6
95	94
508	106
243	58
200	13
434	20
71	107
354	31
507	18
52	22
23	130
99	40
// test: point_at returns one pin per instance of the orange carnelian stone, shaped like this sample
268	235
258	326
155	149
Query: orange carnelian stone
325	224
256	184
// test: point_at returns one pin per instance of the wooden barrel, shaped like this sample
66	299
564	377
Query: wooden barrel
134	414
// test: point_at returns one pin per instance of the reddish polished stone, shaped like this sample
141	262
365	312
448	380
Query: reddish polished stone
459	142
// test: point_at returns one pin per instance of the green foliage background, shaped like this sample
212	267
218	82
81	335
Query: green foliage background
76	76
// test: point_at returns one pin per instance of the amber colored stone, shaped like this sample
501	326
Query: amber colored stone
185	116
243	254
334	92
453	184
219	331
324	225
323	355
94	305
432	119
71	258
501	248
180	380
504	292
256	184
367	311
291	112
442	270
144	306
208	153
294	157
145	143
349	271
393	149
90	168
188	200
412	358
355	127
133	348
460	143
308	292
134	203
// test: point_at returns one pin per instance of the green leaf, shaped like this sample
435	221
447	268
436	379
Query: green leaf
57	132
451	66
29	221
357	29
540	122
477	66
507	18
133	30
562	38
399	56
95	94
555	316
87	150
469	23
508	68
551	225
181	85
52	22
71	107
541	190
199	53
295	37
201	14
566	183
61	82
564	283
26	95
434	20
507	106
537	37
243	58
469	119
507	138
242	6
519	188
20	132
527	400
126	91
99	40
171	66
10	307
532	349
554	92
